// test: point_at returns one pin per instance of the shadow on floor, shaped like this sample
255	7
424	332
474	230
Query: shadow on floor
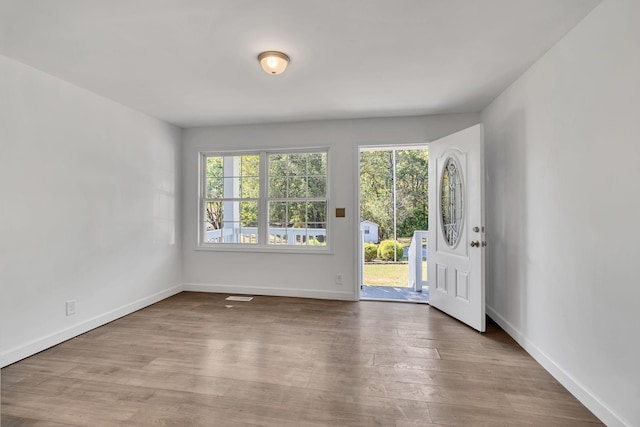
394	293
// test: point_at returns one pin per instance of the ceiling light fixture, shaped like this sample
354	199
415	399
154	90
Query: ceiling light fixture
273	62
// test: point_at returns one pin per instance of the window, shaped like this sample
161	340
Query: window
367	229
266	199
231	199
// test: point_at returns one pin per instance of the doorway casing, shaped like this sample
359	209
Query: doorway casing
359	273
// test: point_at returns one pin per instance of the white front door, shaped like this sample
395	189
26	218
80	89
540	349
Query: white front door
456	226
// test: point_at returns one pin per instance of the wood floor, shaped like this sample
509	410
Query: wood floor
197	360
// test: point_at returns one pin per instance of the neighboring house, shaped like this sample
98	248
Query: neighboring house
370	231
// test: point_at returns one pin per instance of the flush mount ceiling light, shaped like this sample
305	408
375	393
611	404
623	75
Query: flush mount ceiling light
273	62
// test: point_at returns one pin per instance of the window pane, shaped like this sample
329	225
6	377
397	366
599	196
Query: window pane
213	215
213	236
316	212
249	214
317	186
214	188
250	166
296	233
451	201
231	187
214	167
297	213
277	157
248	235
297	187
318	164
297	164
277	214
226	213
250	187
229	232
277	223
277	187
277	165
233	177
317	233
248	232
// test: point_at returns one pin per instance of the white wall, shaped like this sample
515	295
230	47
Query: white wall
563	173
89	191
305	275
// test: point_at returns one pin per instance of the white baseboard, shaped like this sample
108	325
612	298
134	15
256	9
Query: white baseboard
270	291
35	346
574	386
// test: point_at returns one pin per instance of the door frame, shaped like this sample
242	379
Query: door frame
358	272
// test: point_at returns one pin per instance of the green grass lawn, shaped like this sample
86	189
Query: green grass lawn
386	274
389	274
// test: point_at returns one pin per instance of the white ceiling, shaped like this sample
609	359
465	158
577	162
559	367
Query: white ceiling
193	62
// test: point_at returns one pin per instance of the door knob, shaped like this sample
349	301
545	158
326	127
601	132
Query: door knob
475	244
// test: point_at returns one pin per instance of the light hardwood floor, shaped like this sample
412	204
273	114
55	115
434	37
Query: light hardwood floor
197	360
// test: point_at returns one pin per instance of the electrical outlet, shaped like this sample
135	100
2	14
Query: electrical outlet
338	279
71	307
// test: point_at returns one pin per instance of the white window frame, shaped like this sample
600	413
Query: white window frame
263	200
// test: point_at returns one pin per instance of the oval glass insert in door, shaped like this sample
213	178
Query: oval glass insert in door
451	201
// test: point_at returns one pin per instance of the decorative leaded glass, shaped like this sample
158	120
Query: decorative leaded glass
451	201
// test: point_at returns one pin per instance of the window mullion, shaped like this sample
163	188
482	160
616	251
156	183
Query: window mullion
203	194
263	214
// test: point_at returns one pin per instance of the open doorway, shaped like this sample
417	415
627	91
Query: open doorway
394	219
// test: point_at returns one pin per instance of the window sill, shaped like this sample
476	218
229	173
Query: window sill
230	247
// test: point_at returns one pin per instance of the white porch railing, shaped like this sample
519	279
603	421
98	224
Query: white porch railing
218	236
297	236
277	235
417	260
